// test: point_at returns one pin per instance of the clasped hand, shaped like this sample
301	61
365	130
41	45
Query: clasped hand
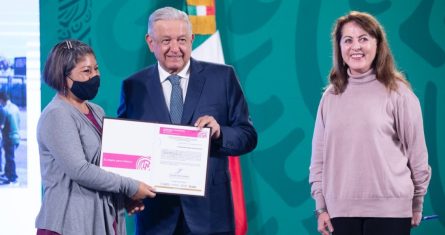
135	204
324	224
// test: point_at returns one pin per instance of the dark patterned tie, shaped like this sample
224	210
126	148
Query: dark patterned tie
175	99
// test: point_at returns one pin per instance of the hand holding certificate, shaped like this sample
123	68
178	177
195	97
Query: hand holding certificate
171	158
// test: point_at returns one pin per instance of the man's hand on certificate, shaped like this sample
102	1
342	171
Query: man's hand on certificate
144	191
209	121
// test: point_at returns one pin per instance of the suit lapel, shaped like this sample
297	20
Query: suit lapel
156	97
194	91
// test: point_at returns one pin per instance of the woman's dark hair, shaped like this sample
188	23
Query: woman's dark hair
383	64
61	60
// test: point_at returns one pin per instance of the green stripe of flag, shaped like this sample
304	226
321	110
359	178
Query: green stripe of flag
191	10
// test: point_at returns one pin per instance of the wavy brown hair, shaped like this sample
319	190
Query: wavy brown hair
383	64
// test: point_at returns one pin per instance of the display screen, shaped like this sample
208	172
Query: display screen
20	188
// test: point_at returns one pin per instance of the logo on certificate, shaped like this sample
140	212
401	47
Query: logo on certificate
143	163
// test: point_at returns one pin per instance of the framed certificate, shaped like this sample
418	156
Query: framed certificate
172	158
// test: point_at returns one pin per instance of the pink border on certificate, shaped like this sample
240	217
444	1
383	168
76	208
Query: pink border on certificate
182	132
117	160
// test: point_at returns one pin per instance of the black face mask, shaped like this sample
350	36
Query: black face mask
86	90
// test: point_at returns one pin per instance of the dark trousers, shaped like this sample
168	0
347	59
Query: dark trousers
10	172
371	226
183	229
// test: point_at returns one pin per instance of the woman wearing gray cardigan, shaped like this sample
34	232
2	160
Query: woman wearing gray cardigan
79	197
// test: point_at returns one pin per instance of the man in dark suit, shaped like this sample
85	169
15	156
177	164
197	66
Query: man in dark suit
211	97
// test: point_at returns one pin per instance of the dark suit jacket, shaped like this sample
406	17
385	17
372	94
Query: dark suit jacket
213	89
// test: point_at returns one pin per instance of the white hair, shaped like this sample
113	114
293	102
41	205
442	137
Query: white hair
168	13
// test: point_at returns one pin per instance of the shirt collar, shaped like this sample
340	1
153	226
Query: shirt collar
184	73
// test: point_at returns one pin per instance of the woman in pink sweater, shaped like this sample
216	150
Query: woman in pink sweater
369	169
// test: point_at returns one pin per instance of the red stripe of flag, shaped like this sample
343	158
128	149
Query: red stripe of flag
238	196
210	10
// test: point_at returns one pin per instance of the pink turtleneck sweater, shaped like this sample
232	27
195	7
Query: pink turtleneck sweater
369	157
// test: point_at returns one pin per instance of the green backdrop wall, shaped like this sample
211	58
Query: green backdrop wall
282	53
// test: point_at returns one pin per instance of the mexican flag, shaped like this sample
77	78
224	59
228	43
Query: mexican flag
207	47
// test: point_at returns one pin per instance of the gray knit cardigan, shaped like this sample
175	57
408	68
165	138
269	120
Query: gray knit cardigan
79	197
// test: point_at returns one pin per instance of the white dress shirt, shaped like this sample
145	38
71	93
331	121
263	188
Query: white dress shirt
167	86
